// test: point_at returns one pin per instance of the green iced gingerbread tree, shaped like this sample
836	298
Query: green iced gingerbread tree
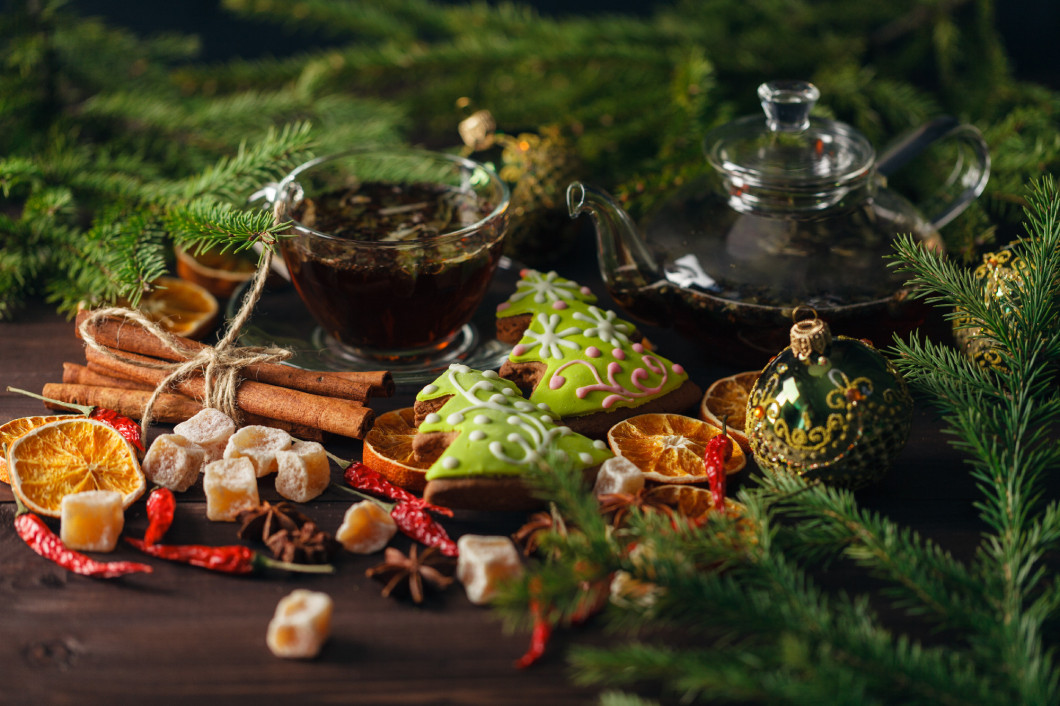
501	434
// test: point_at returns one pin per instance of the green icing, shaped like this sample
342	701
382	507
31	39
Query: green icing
536	290
501	433
591	363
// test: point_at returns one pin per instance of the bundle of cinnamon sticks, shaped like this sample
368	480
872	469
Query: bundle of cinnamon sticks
305	403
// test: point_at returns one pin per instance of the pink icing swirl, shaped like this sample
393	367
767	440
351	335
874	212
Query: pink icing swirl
559	305
619	392
503	305
593	352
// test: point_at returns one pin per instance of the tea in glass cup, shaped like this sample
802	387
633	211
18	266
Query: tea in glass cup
393	250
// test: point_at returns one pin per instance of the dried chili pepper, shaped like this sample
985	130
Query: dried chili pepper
161	505
542	629
44	542
413	519
229	559
719	450
362	477
125	426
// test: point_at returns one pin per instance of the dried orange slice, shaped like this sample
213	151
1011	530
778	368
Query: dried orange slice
388	449
726	401
16	428
669	447
690	501
69	456
220	273
180	307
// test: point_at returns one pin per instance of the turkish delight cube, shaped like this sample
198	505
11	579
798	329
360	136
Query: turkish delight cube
367	527
302	471
484	563
301	624
231	487
92	520
259	444
210	429
618	475
173	462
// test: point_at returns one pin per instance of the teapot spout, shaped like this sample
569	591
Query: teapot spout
625	261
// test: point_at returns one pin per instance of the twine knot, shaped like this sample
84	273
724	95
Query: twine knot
220	366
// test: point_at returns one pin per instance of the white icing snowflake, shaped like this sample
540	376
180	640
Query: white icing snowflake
605	325
543	287
552	342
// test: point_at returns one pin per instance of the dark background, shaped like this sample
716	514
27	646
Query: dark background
1031	28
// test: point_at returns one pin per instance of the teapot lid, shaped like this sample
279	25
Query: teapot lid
787	147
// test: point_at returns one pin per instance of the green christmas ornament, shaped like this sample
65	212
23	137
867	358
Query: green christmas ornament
998	276
828	409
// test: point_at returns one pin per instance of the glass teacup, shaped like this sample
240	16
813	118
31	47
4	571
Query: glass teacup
392	250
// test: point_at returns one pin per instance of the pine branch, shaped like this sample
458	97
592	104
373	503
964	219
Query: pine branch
205	224
252	166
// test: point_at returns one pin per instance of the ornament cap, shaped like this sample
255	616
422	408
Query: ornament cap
809	336
477	130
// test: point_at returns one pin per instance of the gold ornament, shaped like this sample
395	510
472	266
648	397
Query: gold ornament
537	167
999	276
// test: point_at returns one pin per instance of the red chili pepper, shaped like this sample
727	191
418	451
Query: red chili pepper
42	540
362	477
719	450
542	630
230	559
125	426
413	520
161	506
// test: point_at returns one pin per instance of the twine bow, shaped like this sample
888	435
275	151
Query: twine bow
219	365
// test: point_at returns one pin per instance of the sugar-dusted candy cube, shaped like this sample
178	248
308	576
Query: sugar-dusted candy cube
301	624
618	475
231	487
259	444
302	471
366	528
173	462
484	563
210	429
92	520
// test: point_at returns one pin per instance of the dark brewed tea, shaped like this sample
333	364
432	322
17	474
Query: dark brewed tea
382	280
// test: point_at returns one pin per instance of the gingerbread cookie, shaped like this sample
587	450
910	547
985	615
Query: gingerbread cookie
587	364
533	291
484	436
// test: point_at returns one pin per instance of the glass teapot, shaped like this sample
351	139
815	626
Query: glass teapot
795	212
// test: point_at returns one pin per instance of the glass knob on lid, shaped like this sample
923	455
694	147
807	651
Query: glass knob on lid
787	104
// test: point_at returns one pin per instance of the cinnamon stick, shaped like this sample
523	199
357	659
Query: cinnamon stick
75	374
330	414
172	406
380	382
169	408
132	338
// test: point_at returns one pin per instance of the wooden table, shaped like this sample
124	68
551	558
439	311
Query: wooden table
183	633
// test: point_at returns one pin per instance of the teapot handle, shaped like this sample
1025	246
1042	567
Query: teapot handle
969	174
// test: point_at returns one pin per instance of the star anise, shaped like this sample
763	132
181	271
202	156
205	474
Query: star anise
539	524
267	519
307	544
618	505
413	573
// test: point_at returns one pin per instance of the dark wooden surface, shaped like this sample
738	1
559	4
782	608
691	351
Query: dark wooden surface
181	633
